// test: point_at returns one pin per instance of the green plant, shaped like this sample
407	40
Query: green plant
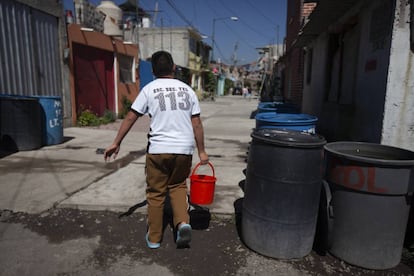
210	82
87	118
126	105
205	95
108	117
227	85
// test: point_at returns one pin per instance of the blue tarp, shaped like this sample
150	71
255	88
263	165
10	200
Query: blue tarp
145	73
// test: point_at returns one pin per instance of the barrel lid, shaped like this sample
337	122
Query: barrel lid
371	153
47	97
286	118
16	98
289	138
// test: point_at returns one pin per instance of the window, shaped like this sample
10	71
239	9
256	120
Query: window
193	45
126	68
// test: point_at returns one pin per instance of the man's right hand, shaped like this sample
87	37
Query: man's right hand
111	151
203	158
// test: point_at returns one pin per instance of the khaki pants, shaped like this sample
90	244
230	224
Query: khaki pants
166	172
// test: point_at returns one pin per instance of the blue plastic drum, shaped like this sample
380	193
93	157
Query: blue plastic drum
52	119
298	122
277	107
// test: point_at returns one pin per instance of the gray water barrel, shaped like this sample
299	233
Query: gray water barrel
371	187
282	190
20	123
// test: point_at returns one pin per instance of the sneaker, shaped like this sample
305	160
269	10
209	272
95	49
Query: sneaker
183	236
152	245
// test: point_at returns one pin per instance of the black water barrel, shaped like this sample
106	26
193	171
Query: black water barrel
20	123
282	190
371	187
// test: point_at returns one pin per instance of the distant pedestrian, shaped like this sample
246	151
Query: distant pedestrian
245	92
175	124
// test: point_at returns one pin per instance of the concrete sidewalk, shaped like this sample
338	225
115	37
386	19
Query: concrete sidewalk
74	175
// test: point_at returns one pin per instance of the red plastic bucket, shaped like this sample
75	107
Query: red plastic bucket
202	186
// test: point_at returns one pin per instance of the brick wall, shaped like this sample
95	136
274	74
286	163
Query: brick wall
308	9
294	77
293	21
294	72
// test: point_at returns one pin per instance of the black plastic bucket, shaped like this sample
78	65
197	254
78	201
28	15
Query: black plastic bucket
282	190
371	187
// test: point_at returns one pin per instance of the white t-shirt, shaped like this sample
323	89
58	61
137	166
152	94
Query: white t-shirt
170	104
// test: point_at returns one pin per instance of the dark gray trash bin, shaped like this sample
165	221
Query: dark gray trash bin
371	187
282	190
20	123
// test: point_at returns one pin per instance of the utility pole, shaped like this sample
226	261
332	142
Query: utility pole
137	28
234	59
277	41
234	55
162	34
213	42
154	18
170	37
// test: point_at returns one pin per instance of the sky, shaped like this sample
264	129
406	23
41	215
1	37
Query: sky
260	23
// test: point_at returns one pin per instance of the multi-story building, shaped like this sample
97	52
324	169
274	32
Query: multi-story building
190	53
185	44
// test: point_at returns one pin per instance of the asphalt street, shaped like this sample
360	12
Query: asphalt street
64	211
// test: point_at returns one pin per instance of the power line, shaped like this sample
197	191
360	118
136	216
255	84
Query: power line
172	5
241	19
222	55
245	41
198	9
260	12
239	37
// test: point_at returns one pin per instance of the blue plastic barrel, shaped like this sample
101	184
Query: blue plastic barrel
52	118
298	122
277	107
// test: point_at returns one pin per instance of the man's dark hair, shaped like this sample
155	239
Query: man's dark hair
162	64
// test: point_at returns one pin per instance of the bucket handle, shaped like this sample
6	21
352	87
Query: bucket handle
199	164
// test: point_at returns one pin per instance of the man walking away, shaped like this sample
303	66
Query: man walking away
175	124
